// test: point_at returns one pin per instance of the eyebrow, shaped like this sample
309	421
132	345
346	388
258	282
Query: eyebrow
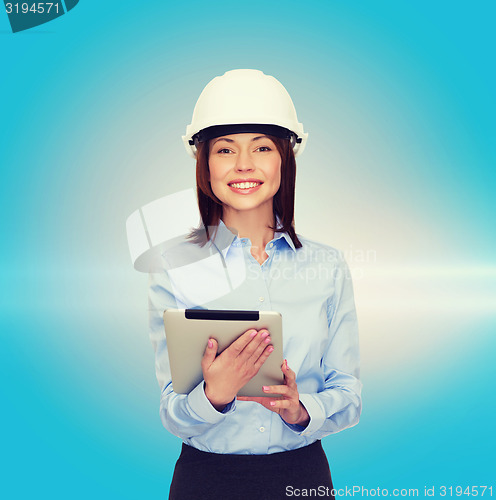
231	140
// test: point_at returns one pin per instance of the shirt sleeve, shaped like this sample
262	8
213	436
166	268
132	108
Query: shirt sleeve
184	415
339	405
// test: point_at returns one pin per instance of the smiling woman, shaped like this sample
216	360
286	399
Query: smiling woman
255	164
242	155
245	136
233	159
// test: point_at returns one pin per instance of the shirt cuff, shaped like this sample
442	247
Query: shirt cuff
200	404
315	412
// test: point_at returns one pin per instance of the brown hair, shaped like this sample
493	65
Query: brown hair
211	207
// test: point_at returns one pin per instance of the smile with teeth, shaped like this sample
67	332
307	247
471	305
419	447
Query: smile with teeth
244	185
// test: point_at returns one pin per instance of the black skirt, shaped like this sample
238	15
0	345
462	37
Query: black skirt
200	475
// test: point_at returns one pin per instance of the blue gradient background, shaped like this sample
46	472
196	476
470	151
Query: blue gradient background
398	99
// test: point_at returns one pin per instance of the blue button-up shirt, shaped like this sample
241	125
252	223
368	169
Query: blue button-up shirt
311	287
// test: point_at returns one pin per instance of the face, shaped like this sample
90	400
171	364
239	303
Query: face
245	171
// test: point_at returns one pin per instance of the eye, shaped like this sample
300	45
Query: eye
224	151
264	148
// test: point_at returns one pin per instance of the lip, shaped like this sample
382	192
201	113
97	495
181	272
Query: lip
245	191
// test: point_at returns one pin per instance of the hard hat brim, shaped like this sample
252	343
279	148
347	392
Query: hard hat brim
239	128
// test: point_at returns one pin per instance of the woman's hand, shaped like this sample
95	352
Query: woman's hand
226	374
287	405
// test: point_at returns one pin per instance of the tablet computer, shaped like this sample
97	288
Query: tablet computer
187	332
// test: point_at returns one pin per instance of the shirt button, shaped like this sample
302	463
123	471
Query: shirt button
261	299
262	429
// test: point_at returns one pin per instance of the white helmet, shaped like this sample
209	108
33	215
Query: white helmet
244	100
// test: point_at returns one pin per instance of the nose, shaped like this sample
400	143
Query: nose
244	162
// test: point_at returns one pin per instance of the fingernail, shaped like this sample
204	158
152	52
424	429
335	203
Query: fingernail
286	363
265	388
210	343
270	349
267	340
253	333
264	334
272	403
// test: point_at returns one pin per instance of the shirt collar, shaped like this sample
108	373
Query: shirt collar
288	239
278	235
224	237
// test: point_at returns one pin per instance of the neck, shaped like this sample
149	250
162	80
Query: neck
252	224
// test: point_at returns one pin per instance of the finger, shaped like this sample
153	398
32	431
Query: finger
261	339
255	399
241	342
282	404
263	357
289	374
255	350
210	353
264	401
278	389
